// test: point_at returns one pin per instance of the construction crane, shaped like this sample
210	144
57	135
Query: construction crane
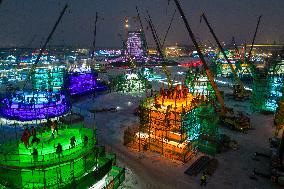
201	56
43	48
248	61
239	121
20	51
254	36
141	25
235	45
169	27
159	49
239	89
122	40
95	36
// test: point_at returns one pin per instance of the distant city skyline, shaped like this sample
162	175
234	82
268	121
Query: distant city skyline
28	22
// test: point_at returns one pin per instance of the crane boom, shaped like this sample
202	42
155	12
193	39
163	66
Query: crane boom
236	78
235	45
139	18
154	32
95	35
254	36
169	27
141	26
208	72
45	44
159	49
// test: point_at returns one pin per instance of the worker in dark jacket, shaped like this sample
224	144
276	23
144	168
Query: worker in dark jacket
72	141
203	179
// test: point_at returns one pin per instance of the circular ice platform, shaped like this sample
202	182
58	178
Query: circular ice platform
27	106
20	168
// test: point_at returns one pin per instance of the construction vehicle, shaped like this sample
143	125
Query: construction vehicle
227	115
236	121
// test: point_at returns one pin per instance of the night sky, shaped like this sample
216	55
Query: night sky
23	20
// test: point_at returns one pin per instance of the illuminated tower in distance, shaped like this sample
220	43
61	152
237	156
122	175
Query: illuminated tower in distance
136	44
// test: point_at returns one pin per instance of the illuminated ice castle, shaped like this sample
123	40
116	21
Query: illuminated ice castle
136	45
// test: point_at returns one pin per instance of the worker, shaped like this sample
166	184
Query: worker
26	137
54	128
32	102
34	139
156	102
86	139
33	131
59	149
35	154
72	141
203	179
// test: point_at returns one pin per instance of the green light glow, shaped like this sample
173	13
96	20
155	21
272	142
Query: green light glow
129	83
47	78
202	127
267	91
19	168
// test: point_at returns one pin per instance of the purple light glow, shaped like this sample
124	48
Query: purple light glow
84	83
135	44
27	106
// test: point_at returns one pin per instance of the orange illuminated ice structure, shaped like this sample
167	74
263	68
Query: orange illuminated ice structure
162	127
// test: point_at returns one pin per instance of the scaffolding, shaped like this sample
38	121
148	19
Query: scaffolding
202	121
45	97
45	78
202	128
162	127
266	92
199	85
129	83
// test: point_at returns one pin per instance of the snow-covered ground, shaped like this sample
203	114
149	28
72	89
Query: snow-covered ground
148	170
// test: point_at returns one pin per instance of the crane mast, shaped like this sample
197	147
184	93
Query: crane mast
208	72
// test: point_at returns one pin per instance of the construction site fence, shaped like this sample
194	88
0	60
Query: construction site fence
53	175
12	130
43	160
118	177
